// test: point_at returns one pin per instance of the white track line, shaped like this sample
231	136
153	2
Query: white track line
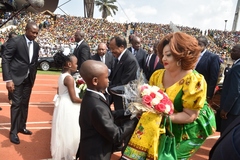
3	126
31	103
37	92
42	122
30	128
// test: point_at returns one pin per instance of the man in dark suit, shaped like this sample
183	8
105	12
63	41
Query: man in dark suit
125	69
208	65
139	53
152	62
19	68
82	50
104	56
230	100
227	146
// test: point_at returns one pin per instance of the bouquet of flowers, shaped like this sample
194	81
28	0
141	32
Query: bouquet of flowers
80	83
141	97
155	100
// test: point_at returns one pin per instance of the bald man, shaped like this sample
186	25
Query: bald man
104	56
82	50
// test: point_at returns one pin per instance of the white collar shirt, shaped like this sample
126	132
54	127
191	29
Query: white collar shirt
119	58
99	93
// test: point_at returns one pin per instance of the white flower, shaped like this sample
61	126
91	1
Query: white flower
155	101
168	108
145	92
159	96
154	89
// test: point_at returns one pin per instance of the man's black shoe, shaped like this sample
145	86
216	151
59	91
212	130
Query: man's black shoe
14	138
25	131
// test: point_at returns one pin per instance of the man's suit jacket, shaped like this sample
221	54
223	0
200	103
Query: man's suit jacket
227	146
209	66
82	52
16	63
109	59
230	95
124	71
98	131
148	70
140	56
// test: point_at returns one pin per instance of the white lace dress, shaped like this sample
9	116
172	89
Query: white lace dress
65	136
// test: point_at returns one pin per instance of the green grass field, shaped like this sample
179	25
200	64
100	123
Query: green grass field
51	72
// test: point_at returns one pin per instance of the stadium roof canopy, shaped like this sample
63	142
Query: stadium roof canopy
50	5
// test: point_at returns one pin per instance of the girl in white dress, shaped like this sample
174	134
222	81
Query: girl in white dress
65	136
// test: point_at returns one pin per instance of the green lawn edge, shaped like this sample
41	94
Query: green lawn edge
51	72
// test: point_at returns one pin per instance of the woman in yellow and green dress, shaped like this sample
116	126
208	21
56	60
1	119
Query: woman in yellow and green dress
193	120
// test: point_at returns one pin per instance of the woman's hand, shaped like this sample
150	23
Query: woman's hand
184	117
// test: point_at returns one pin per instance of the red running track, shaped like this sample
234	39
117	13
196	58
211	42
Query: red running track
37	146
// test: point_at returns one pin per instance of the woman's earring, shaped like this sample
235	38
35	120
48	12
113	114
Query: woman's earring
179	63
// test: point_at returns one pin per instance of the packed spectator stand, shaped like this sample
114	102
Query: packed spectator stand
57	32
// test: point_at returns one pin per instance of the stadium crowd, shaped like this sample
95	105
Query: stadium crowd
57	32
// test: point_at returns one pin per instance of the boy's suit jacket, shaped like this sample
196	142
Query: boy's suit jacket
98	131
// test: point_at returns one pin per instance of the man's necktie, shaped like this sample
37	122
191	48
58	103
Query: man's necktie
156	62
148	60
30	50
135	52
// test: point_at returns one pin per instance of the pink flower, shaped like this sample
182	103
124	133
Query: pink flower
153	95
160	91
160	107
166	100
147	100
143	87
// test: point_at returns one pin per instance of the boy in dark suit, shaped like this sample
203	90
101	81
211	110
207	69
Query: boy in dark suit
98	131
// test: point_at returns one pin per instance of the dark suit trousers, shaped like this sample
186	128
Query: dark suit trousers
9	95
19	107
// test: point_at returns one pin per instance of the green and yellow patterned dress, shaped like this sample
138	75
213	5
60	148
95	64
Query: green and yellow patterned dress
189	92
